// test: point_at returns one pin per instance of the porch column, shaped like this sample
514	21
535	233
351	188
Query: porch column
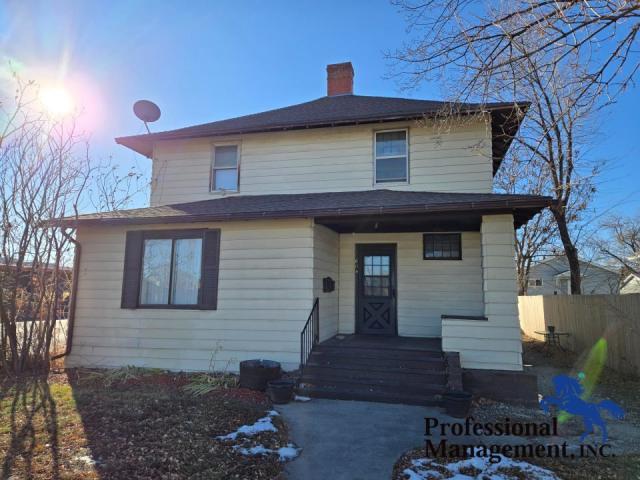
493	343
499	286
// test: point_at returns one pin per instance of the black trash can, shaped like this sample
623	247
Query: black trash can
255	374
280	391
457	403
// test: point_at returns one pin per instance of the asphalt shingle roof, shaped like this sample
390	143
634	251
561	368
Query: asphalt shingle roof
318	205
338	110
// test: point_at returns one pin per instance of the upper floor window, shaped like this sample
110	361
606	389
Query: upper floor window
391	156
225	168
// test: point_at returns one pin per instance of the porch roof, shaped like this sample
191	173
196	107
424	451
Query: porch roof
328	208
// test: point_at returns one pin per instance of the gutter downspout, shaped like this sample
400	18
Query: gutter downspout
74	294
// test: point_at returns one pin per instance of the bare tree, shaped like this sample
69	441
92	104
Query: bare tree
620	242
555	128
482	40
112	189
45	173
556	124
535	239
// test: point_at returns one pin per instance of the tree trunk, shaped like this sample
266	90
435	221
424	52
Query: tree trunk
570	250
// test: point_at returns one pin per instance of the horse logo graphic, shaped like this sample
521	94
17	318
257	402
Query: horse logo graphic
568	391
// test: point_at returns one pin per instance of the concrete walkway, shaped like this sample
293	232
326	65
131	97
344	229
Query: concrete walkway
352	440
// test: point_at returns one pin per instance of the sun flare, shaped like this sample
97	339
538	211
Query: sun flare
56	101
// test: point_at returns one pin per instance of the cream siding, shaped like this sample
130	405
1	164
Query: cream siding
426	289
495	343
326	248
270	272
266	286
455	159
631	285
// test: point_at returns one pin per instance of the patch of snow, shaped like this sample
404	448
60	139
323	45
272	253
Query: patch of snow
420	475
256	450
488	470
288	453
263	424
87	459
285	454
300	398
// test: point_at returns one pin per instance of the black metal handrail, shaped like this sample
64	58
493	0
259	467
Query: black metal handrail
310	334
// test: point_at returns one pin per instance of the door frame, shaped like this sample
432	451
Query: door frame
361	249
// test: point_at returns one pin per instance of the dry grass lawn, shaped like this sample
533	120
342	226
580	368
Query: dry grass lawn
62	427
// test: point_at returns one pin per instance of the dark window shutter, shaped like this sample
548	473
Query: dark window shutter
210	267
132	266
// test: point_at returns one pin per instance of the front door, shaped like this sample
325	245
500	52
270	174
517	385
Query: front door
376	289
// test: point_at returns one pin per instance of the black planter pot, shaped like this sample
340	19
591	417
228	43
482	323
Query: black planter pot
280	391
255	374
457	404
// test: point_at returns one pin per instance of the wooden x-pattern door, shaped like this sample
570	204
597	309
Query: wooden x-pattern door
376	289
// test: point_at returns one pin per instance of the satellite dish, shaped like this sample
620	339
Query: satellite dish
146	111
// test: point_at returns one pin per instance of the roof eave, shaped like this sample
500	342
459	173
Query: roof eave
143	144
527	207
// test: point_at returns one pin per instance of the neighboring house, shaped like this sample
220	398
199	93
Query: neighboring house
364	203
631	284
552	277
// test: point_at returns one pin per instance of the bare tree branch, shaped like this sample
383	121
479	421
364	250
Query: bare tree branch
45	173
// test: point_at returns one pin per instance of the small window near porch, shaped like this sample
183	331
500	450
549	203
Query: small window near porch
391	157
535	282
442	246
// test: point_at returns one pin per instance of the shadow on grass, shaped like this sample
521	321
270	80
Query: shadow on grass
29	412
147	426
73	426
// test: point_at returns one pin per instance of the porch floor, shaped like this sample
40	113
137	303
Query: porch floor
385	342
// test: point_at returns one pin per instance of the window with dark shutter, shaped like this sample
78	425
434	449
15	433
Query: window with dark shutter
132	263
171	269
210	268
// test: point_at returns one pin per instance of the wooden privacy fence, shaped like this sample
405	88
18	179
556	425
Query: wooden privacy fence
587	318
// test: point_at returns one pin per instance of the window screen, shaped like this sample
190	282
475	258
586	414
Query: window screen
442	246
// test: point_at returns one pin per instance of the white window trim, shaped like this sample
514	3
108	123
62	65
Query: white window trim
212	167
375	158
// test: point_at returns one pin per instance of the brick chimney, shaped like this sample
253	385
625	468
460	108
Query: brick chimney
340	79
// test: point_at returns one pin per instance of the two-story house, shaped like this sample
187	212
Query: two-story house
346	221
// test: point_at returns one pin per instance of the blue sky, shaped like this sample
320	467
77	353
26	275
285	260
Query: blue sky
203	61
